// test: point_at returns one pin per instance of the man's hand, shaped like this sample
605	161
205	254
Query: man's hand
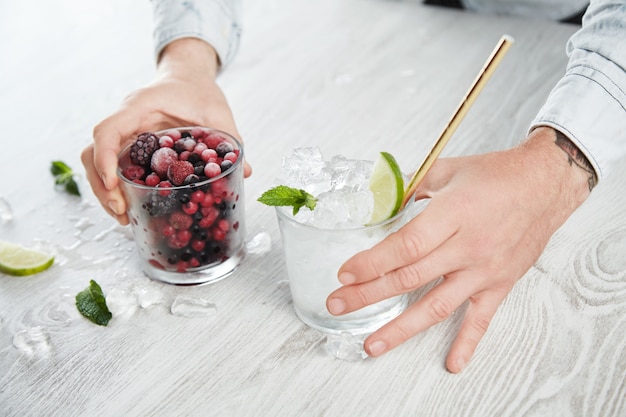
489	218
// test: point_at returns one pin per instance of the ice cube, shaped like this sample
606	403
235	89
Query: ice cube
304	168
149	296
192	307
346	346
260	244
33	342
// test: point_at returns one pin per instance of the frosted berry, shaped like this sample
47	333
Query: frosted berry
142	149
166	141
225	165
212	170
152	180
180	220
178	171
162	159
223	148
133	172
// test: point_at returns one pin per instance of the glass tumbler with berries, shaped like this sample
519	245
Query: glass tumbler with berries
184	191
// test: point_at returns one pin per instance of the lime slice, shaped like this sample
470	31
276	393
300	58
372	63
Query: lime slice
20	261
387	185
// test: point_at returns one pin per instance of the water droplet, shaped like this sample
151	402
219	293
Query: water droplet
192	307
83	224
346	346
260	244
33	342
6	213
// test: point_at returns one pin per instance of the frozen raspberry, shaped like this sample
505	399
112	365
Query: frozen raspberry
178	171
162	159
180	220
133	172
141	151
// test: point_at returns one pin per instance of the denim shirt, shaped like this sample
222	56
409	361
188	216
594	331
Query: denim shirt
588	104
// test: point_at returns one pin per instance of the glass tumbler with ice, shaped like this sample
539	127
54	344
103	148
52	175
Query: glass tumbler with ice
317	242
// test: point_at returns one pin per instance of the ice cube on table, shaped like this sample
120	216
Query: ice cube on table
346	346
192	307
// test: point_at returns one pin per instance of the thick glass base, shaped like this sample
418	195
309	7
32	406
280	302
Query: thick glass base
358	322
206	275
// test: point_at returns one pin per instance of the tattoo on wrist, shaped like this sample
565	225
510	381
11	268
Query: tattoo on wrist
576	157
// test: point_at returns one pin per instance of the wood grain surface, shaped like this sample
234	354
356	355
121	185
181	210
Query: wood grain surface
353	77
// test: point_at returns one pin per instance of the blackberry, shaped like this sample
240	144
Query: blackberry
141	151
158	205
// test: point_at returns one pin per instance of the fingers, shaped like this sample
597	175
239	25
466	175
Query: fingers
108	137
437	305
111	200
406	246
402	280
482	307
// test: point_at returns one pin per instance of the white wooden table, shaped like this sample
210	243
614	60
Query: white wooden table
353	77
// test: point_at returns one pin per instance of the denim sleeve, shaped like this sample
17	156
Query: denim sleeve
214	21
589	103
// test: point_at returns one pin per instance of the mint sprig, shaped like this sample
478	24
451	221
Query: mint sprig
64	177
92	304
282	195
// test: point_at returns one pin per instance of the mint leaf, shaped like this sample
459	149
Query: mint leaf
92	304
282	195
60	167
64	177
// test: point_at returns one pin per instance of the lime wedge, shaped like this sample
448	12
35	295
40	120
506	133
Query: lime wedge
19	261
387	185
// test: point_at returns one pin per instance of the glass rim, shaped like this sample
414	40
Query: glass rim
226	173
281	213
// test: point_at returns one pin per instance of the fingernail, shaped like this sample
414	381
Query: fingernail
460	364
114	207
347	278
336	306
104	181
377	348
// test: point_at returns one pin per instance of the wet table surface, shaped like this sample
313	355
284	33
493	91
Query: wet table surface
353	77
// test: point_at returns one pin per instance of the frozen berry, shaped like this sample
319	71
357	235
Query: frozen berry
212	170
191	179
178	171
133	172
231	156
223	148
190	208
142	149
158	205
180	220
166	141
209	155
197	196
152	180
225	165
162	159
190	144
